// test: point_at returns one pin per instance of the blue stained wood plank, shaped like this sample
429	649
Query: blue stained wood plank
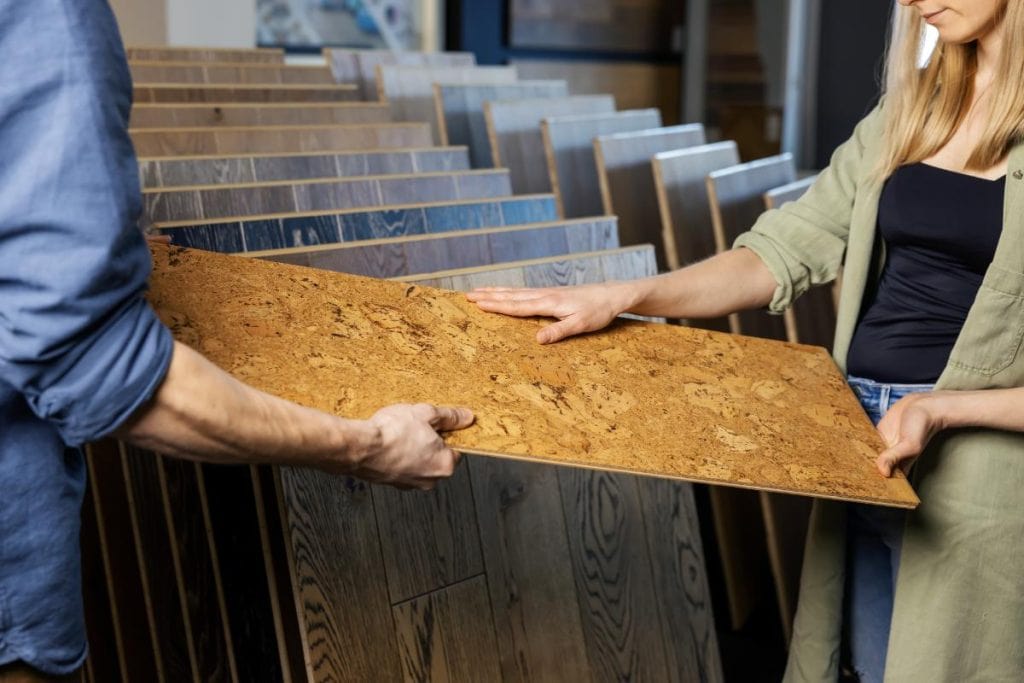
434	255
463	216
289	167
529	210
263	235
370	225
603	235
308	231
223	237
510	246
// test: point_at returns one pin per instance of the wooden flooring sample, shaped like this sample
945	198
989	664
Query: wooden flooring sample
410	89
216	93
235	114
229	73
640	398
626	178
321	194
199	54
360	66
461	111
569	146
251	168
513	130
170	142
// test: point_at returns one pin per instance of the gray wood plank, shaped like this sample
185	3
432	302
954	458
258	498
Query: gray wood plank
461	111
227	73
569	147
155	93
513	131
367	62
448	635
163	142
199	54
231	115
410	89
626	179
324	194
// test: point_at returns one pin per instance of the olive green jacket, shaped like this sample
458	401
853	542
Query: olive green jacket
959	606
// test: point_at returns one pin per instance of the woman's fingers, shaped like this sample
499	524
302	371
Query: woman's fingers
519	308
556	332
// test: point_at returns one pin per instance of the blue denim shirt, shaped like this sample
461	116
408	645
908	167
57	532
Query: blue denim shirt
80	349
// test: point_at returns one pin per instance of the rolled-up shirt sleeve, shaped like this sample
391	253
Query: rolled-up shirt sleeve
77	339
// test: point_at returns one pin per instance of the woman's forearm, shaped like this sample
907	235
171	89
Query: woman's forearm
989	408
732	281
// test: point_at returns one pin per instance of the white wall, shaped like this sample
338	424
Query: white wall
206	23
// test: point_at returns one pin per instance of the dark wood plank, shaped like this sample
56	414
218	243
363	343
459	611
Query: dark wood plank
626	179
448	635
106	651
461	111
569	147
340	578
513	131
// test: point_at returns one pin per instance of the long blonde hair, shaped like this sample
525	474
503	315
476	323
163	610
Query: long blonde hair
925	106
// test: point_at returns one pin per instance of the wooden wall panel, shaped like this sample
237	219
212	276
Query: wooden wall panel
635	85
273	139
228	73
360	66
199	54
410	89
233	115
513	131
626	178
461	111
324	194
569	147
156	93
208	170
687	228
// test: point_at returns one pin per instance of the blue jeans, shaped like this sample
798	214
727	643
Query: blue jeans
874	535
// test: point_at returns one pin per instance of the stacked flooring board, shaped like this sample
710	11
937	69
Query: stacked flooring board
427	169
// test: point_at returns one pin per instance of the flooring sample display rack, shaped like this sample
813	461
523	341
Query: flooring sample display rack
740	411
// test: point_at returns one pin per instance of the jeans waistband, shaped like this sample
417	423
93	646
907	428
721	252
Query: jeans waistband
872	384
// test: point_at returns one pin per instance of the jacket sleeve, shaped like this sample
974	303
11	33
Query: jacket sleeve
803	242
77	339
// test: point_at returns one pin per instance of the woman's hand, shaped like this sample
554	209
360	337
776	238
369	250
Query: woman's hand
907	428
581	309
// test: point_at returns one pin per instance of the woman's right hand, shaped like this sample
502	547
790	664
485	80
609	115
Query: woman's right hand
580	309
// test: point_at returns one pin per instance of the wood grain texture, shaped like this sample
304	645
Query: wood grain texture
156	93
426	253
461	111
513	131
129	604
569	147
321	194
228	73
170	142
360	66
410	89
626	179
209	170
448	635
106	663
233	115
808	431
205	54
687	228
340	584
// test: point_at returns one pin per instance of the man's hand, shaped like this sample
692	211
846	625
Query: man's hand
407	450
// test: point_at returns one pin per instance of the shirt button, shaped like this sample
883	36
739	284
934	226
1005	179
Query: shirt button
1018	174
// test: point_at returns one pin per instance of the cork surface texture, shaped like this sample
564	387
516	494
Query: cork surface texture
642	398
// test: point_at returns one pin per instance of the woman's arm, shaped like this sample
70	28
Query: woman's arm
202	413
732	281
915	419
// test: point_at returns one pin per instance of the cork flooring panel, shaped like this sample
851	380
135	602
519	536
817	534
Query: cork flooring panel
461	111
321	194
230	73
209	170
513	132
410	89
194	54
626	179
569	146
738	411
229	115
163	142
156	93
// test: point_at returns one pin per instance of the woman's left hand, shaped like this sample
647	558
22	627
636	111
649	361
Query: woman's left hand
907	428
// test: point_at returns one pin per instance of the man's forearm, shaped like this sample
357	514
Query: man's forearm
200	412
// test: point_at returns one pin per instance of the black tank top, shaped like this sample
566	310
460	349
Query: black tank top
940	229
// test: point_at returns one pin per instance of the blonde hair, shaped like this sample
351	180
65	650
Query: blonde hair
925	106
